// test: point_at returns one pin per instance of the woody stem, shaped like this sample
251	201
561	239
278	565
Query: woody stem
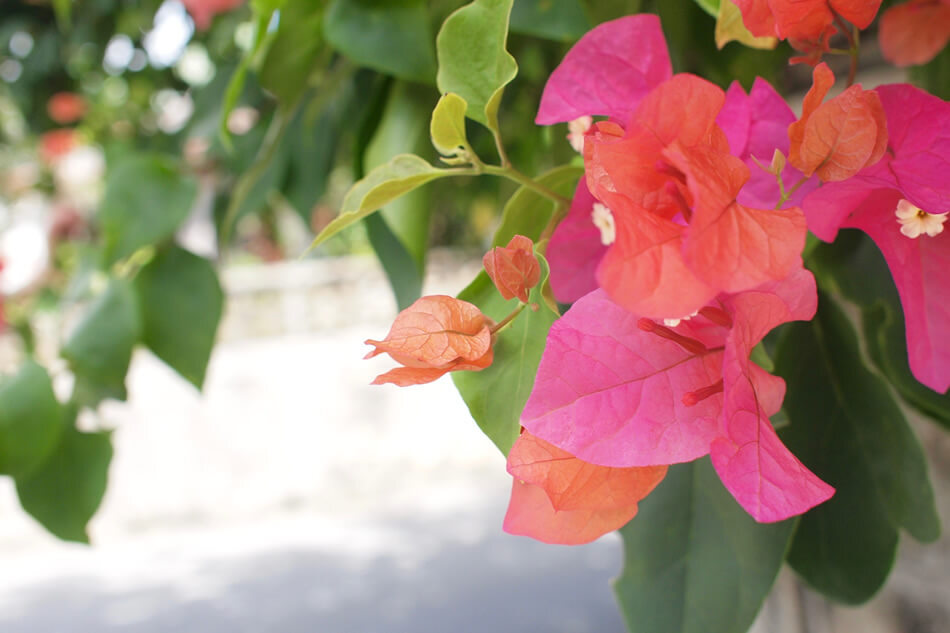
508	319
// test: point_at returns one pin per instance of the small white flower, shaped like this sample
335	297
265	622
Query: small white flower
576	130
603	219
915	221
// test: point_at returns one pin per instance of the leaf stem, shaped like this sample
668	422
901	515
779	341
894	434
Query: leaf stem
514	175
508	319
791	192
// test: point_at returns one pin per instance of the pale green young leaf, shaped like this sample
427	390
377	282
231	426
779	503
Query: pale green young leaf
447	127
473	60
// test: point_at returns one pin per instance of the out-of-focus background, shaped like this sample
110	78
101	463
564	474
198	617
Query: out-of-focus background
270	487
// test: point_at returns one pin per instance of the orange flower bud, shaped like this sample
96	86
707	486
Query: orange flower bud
435	335
513	268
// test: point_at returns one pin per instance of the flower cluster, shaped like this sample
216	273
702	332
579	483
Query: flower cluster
651	365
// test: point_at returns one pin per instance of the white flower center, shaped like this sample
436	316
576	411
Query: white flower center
576	130
603	219
915	221
675	322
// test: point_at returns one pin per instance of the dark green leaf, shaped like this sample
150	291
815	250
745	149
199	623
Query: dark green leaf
854	266
404	276
473	60
393	37
694	560
66	490
100	348
181	302
292	53
562	20
846	427
496	396
313	147
30	420
146	199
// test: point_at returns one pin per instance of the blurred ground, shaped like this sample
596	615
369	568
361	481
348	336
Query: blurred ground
292	496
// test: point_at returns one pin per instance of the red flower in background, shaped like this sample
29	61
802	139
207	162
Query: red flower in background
803	19
914	32
66	107
203	11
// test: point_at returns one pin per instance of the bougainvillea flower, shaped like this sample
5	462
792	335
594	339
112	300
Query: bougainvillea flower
435	335
756	125
203	11
607	71
803	19
557	498
513	268
671	184
617	389
914	32
914	169
66	107
839	138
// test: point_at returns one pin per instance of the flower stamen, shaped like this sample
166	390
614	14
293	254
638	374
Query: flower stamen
915	221
603	219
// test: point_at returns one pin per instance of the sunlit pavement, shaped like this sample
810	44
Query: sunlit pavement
292	496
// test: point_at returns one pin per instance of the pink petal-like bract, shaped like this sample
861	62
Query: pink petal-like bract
914	168
756	125
760	472
619	390
611	393
607	72
575	250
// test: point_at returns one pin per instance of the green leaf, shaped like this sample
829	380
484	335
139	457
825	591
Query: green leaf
404	275
561	20
473	61
312	150
393	37
496	395
855	267
292	53
384	184
100	348
181	302
605	10
263	12
146	199
527	212
447	127
846	427
66	490
63	11
30	420
694	560
712	7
